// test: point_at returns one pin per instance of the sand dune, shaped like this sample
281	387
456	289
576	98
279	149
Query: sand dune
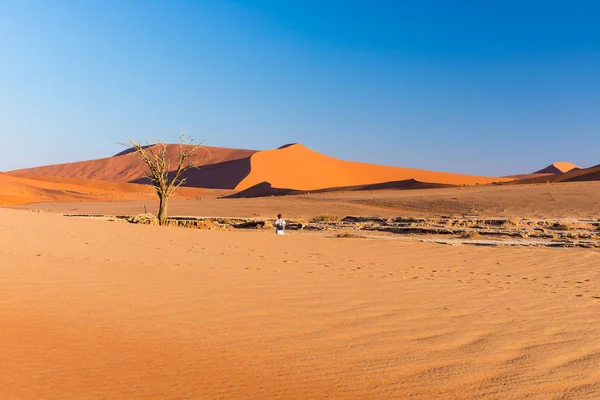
127	167
265	189
36	189
558	168
292	167
565	200
299	168
94	309
575	175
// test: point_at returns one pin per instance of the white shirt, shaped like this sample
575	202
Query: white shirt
279	226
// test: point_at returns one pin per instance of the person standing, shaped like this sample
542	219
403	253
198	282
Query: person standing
279	225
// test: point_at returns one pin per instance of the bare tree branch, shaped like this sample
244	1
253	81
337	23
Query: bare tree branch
163	179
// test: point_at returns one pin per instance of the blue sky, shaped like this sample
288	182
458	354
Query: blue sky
478	87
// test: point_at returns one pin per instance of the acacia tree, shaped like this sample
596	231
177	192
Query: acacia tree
164	179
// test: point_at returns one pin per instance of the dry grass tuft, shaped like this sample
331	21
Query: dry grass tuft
348	235
328	218
563	226
147	219
470	235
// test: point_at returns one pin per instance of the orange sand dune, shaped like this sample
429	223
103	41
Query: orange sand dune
558	168
291	167
35	189
575	175
127	166
299	168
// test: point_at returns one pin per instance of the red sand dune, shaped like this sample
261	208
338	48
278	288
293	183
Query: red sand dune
299	168
34	189
127	166
558	168
575	175
290	168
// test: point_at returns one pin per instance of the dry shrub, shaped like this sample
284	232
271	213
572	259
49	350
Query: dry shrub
470	235
146	219
563	226
328	218
512	222
348	235
268	225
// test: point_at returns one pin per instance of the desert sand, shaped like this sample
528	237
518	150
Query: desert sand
297	167
561	200
127	166
104	309
27	189
289	167
575	175
95	309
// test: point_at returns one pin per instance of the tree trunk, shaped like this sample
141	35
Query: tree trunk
162	210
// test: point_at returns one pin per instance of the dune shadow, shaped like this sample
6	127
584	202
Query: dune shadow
223	175
265	189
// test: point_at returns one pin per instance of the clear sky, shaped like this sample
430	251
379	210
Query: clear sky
479	87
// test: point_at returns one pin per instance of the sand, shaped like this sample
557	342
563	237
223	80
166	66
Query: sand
290	167
127	166
34	189
96	309
297	167
575	175
561	200
559	167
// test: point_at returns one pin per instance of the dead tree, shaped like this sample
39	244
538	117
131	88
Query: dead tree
163	178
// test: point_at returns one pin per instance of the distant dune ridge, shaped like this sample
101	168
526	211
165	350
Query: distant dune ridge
290	169
558	168
127	166
574	175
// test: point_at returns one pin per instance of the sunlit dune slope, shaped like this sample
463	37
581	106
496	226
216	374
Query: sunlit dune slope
299	168
33	189
127	166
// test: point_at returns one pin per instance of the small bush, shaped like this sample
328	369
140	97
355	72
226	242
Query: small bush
563	226
328	218
349	235
470	235
147	219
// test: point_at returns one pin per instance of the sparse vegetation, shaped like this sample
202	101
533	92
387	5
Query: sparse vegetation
470	235
328	218
511	222
348	235
147	219
563	226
